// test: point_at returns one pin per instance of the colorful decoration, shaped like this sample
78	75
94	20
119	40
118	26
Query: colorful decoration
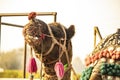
59	69
32	66
32	15
105	60
110	69
86	73
105	53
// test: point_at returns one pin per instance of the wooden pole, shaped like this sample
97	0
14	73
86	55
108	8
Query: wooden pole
94	37
26	14
14	25
25	53
0	33
96	31
55	17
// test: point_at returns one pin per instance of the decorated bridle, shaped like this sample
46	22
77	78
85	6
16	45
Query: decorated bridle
62	46
32	15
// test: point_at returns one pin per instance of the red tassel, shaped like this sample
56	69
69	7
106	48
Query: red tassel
32	66
59	69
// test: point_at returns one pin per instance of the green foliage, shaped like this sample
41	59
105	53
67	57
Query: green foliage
65	66
12	59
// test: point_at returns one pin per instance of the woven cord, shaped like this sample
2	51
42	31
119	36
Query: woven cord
59	52
41	60
31	54
41	67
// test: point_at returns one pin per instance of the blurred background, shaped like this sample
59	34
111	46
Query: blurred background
84	14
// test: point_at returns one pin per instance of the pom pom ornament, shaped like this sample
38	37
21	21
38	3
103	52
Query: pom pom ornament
32	66
32	15
59	69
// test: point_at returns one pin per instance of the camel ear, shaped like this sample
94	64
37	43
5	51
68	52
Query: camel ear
70	32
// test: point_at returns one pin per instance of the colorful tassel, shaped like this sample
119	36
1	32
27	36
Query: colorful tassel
59	69
32	66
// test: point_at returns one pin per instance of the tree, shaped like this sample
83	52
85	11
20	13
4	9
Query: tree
11	59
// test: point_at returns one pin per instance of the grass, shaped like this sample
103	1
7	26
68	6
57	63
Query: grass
19	74
15	74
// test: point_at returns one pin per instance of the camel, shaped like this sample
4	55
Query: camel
51	43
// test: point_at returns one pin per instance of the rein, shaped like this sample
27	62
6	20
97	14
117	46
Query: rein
63	48
54	41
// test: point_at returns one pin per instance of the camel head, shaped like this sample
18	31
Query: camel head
41	36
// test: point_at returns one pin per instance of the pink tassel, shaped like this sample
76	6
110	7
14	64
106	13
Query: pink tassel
59	69
32	66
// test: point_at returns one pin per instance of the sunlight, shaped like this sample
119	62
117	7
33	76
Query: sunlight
84	14
11	38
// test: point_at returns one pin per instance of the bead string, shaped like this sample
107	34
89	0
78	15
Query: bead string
113	54
110	69
86	73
